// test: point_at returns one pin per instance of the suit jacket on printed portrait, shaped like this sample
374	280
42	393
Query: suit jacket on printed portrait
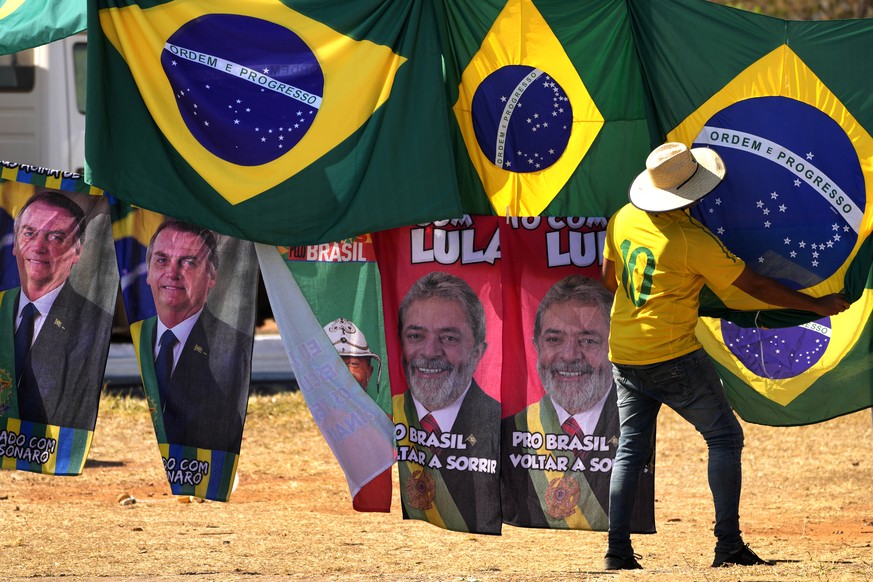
63	372
537	498
209	387
475	493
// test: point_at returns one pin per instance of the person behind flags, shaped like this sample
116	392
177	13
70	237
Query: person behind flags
60	336
352	346
442	336
571	330
201	364
660	258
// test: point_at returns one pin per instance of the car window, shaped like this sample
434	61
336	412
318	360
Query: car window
17	72
80	70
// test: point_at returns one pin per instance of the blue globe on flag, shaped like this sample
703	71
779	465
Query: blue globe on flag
791	207
793	197
247	103
778	353
522	119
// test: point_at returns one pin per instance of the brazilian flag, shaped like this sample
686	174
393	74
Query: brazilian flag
131	230
789	113
29	23
548	103
282	122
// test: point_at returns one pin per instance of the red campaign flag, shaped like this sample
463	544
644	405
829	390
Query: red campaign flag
520	381
451	344
539	251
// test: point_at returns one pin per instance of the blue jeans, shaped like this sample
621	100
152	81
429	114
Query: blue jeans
689	385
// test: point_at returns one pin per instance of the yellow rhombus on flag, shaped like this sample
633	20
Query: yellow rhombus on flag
526	117
358	76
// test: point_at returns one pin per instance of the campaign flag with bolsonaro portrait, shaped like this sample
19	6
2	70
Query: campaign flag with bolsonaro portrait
280	122
58	285
788	113
548	103
189	295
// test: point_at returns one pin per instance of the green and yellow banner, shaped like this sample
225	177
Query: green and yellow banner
29	23
548	104
276	122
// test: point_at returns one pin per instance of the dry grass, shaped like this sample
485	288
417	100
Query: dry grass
806	504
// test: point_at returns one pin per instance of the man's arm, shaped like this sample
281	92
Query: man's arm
607	275
771	291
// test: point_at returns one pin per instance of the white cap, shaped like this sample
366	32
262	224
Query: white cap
350	341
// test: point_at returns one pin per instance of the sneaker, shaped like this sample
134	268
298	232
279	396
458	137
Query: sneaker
742	557
617	563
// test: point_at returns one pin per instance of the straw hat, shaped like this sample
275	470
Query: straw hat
676	177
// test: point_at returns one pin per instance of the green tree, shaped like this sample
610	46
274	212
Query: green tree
805	9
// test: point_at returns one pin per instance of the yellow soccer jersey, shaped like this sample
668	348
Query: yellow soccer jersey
661	263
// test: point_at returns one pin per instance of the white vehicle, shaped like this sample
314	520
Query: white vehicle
42	105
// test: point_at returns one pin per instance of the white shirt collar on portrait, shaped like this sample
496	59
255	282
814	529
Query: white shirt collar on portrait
445	417
587	419
181	331
43	305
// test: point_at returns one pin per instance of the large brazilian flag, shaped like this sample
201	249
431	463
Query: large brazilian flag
283	122
548	100
789	113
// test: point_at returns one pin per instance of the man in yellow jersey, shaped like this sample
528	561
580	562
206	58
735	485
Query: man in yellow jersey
658	258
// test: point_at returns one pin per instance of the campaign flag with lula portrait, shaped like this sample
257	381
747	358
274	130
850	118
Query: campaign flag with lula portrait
558	386
280	122
790	115
445	360
548	101
29	23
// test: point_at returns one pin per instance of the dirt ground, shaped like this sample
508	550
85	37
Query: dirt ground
807	504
